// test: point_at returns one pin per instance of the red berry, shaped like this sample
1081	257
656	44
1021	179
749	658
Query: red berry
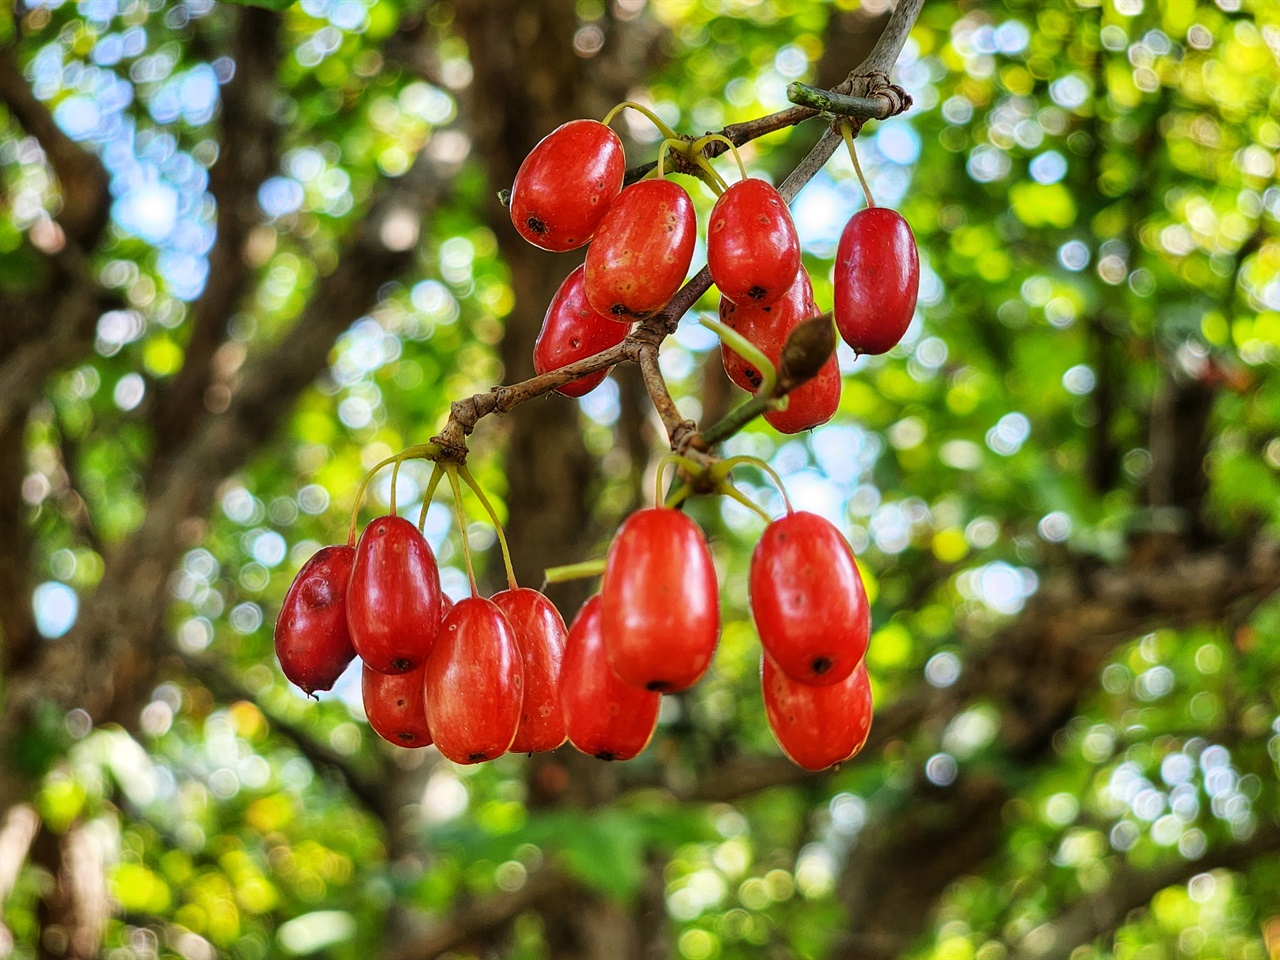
817	727
768	326
808	600
541	634
753	251
566	183
660	605
395	706
642	250
573	331
877	277
603	716
474	683
393	602
312	639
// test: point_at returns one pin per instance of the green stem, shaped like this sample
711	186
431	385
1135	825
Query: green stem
746	458
452	471
828	101
666	131
680	461
748	351
437	474
662	153
736	419
846	131
678	496
470	481
574	571
700	144
733	493
395	474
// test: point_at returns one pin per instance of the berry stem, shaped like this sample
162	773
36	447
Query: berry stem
678	460
748	351
395	475
698	145
573	571
471	482
437	474
733	493
666	131
663	147
764	467
426	450
452	470
846	131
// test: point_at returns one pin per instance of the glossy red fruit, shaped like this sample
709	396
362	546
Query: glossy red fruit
395	704
768	326
474	683
642	250
877	277
603	716
753	251
808	600
393	602
660	606
541	634
312	639
566	184
817	727
572	331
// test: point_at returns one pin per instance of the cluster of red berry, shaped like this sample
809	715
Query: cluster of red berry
483	676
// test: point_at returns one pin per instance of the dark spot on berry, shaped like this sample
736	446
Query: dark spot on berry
380	530
477	757
753	377
405	736
756	293
575	342
659	685
606	755
536	225
400	702
618	309
403	665
821	665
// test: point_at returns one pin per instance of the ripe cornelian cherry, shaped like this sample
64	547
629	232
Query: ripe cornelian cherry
566	183
312	639
817	727
660	606
603	716
808	600
474	683
540	632
768	326
642	250
393	601
877	277
395	705
753	251
572	331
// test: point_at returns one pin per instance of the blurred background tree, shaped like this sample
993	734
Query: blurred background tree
246	253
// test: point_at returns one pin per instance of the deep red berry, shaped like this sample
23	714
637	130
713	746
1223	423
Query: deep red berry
817	727
474	683
768	326
603	716
572	331
312	639
395	706
877	277
541	634
753	251
393	602
808	600
642	250
566	183
660	605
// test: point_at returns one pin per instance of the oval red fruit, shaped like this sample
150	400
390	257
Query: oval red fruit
566	184
642	250
572	331
753	251
603	716
541	634
877	277
808	600
312	639
474	683
768	326
817	727
395	706
393	602
660	604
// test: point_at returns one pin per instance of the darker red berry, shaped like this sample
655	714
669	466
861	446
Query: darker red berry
311	636
753	251
573	331
877	277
